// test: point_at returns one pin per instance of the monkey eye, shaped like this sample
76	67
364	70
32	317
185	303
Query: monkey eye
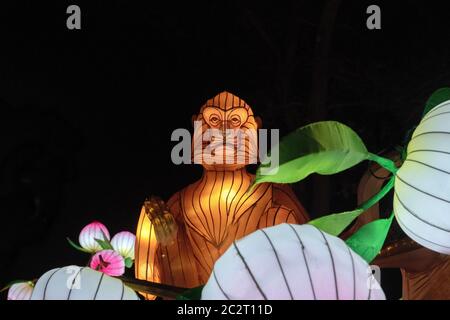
235	121
214	120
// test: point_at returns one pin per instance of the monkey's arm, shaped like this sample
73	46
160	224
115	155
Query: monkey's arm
171	263
147	262
408	255
276	215
284	196
424	272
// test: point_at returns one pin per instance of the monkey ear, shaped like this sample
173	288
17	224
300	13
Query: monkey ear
194	117
258	121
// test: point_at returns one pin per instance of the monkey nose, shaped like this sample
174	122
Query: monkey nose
225	126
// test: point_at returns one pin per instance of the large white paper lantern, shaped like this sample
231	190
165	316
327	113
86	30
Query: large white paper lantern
291	262
422	185
80	283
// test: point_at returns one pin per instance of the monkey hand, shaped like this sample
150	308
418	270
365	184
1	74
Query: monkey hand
163	221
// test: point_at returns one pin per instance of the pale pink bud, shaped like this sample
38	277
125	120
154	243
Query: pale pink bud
20	291
94	230
123	243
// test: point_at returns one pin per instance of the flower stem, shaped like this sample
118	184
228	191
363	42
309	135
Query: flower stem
388	164
380	195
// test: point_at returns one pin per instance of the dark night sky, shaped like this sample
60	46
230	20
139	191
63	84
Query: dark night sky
86	116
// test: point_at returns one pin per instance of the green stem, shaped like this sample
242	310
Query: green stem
74	245
388	164
380	195
391	217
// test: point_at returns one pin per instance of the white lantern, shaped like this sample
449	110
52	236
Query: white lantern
80	283
291	262
422	185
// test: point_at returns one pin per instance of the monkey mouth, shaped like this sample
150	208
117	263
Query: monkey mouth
221	150
219	145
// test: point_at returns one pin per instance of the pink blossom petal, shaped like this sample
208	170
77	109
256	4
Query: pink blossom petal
94	230
123	242
109	262
20	291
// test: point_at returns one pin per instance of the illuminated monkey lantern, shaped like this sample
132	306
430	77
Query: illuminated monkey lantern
179	242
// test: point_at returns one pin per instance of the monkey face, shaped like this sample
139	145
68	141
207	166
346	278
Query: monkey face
225	133
225	119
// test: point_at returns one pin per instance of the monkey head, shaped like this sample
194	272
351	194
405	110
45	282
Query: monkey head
225	133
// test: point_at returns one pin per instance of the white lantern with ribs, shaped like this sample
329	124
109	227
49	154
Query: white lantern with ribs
290	261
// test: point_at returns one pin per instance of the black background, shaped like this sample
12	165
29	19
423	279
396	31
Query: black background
86	115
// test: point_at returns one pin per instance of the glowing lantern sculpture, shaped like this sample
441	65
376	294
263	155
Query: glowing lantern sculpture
80	283
291	262
422	185
204	218
238	234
